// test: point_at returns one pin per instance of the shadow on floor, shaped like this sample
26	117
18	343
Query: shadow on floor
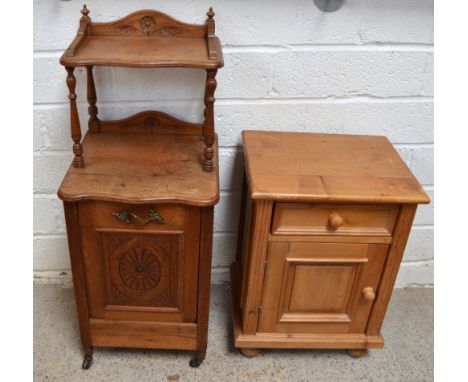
407	355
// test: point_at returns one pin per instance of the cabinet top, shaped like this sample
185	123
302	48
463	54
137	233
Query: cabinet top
142	168
327	168
145	39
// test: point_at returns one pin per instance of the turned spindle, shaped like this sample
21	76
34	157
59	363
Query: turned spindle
93	122
85	12
208	125
74	119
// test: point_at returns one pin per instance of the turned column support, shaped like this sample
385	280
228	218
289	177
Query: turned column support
208	125
74	119
93	122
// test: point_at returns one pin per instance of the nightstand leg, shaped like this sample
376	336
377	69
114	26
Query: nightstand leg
357	353
249	353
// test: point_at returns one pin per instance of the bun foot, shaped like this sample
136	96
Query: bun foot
249	353
87	361
357	353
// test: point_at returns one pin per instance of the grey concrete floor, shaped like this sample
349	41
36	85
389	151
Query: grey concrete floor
407	355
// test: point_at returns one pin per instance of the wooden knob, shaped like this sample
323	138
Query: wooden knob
335	220
368	293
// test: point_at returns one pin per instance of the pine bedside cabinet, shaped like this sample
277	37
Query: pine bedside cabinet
140	193
324	223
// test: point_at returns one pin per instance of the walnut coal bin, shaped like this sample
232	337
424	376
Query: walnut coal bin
140	193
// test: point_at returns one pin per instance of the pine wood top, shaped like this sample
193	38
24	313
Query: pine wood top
143	168
145	39
327	167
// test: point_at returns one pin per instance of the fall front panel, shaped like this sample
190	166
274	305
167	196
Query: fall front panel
138	269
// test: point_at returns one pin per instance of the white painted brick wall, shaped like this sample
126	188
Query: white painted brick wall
366	69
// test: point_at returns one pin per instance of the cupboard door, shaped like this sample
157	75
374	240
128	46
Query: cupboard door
320	287
141	271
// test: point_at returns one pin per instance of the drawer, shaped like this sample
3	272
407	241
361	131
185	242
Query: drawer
333	219
134	216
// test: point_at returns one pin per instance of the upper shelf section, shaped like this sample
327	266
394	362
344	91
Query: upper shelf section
145	39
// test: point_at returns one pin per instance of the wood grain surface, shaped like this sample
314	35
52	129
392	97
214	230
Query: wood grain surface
320	249
143	168
145	39
311	167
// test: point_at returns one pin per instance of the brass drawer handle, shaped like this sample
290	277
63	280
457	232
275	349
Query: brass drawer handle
126	217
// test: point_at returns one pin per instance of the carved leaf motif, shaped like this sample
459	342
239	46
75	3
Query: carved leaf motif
148	25
170	30
126	29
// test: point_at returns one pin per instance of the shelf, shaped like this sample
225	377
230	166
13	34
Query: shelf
145	39
143	52
142	168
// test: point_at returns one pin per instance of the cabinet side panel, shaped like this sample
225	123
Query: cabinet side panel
78	272
192	262
392	264
242	214
204	276
262	210
244	245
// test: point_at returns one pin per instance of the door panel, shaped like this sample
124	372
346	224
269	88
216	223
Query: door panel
141	272
317	287
334	283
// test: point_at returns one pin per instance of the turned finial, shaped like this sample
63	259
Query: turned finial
210	23
84	11
210	13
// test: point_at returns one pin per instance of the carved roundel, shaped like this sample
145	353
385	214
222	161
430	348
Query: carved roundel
140	269
148	24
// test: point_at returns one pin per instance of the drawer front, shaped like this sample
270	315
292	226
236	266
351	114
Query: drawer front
137	216
333	219
139	265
